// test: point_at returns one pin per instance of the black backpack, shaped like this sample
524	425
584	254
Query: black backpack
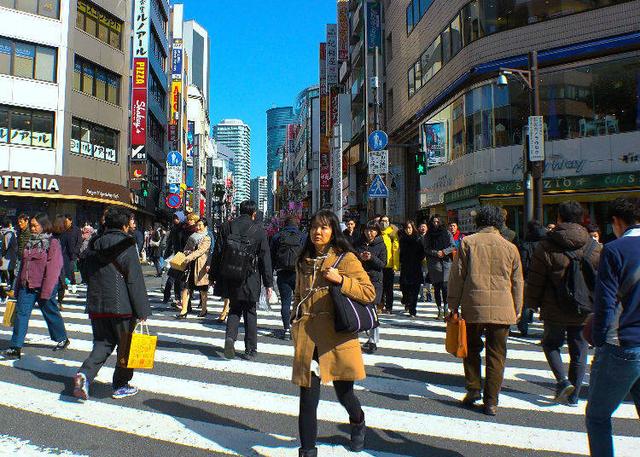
577	285
238	256
289	245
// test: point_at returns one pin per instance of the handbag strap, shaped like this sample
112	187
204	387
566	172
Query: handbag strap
337	262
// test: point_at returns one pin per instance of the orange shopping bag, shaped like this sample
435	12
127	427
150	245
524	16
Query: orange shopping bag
456	341
9	314
137	349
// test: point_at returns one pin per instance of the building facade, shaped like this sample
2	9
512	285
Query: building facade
442	62
64	87
198	46
259	193
277	121
236	135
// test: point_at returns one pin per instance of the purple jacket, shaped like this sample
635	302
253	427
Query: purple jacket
41	269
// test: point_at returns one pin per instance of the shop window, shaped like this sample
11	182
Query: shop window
445	38
88	75
412	82
95	80
92	140
77	75
113	89
80	17
4	124
45	64
42	130
24	57
91	24
76	136
101	84
471	22
417	68
99	23
456	35
410	18
6	50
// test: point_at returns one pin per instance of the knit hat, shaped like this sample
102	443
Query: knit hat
180	215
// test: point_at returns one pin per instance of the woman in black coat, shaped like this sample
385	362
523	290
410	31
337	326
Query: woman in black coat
411	255
372	252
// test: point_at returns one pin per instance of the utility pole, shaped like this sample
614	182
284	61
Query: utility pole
537	167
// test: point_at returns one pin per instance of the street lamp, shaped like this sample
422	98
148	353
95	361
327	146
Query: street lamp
532	171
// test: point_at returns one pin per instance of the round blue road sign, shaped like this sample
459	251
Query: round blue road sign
173	201
378	140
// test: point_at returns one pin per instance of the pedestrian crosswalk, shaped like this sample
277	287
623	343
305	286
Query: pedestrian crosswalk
194	402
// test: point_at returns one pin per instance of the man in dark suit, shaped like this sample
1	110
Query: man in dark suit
245	293
71	241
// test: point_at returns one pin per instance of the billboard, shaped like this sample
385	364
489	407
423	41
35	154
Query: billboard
141	32
343	31
434	142
176	90
176	60
374	26
325	155
332	55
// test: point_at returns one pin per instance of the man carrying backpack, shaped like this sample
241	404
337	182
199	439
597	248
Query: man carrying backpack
241	259
285	248
560	281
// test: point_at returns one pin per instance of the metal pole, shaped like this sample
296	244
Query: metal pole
365	24
527	179
196	173
538	167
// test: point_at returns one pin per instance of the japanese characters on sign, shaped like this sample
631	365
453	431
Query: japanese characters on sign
176	90
343	31
332	55
141	28
374	26
379	162
325	155
536	138
139	108
176	60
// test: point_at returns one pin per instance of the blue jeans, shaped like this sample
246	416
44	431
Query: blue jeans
615	373
286	285
24	305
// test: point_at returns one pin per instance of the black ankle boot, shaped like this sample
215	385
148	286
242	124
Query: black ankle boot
308	453
358	432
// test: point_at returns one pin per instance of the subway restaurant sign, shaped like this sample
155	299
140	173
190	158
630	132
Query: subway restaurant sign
551	185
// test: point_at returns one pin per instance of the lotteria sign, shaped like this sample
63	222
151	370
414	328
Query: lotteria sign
29	183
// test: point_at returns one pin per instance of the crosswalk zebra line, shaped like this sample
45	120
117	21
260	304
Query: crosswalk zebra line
391	420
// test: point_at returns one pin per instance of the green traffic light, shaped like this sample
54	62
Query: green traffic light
420	169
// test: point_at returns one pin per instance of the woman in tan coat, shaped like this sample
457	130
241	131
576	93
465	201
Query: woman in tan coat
322	354
197	260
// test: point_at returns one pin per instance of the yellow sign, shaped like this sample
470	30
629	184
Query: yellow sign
176	99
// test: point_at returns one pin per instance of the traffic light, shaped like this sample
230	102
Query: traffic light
144	188
421	163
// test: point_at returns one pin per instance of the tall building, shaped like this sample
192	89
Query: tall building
236	135
277	121
259	193
149	104
442	89
198	46
64	85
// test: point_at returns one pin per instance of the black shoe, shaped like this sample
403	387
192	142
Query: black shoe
181	316
471	397
358	432
564	389
286	335
229	350
251	354
62	345
373	347
366	347
308	453
203	314
490	410
11	354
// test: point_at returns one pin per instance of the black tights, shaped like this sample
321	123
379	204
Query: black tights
440	289
309	398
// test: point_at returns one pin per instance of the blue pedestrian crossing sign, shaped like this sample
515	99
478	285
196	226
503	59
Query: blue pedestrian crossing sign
174	159
378	189
378	140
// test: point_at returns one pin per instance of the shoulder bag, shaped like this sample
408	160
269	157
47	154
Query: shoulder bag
351	316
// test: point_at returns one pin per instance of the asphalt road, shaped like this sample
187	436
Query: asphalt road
196	403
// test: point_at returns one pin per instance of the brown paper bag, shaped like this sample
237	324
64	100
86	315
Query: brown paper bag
178	262
9	314
456	341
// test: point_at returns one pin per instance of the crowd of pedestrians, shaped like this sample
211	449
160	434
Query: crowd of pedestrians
586	293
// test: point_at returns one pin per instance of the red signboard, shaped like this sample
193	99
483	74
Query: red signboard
139	102
343	30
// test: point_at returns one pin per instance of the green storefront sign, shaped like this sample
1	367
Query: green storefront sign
613	181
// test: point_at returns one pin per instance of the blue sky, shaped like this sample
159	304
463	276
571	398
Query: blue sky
263	52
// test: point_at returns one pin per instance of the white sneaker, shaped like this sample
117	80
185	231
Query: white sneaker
74	289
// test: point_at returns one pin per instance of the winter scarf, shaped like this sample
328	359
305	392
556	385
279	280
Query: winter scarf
39	241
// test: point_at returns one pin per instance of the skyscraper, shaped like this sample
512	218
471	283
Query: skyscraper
197	44
236	135
259	192
277	121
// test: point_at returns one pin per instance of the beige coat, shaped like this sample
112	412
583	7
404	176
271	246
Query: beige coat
340	357
486	279
201	257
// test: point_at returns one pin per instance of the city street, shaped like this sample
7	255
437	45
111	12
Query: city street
194	402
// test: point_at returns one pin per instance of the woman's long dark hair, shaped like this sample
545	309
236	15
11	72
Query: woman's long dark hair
338	241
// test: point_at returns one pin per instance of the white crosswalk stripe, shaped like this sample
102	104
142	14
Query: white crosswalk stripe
410	397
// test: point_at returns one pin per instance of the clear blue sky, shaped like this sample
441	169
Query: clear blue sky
263	52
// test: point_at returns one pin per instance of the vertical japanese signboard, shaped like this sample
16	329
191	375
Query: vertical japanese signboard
325	154
536	138
332	55
343	31
141	32
374	26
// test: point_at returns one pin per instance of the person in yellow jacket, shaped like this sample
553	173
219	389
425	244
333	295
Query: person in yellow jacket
390	238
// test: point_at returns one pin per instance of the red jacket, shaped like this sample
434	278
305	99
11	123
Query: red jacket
41	269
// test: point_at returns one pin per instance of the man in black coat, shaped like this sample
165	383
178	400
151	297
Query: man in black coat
176	241
243	294
71	242
116	300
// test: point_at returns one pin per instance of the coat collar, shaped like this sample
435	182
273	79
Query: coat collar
489	230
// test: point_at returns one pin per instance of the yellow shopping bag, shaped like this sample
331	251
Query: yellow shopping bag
9	314
138	349
178	261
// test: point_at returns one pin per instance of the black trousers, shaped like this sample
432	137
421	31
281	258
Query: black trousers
552	342
308	416
410	297
173	282
106	337
286	286
440	290
388	277
246	310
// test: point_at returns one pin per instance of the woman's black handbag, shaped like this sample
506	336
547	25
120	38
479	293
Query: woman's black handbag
351	316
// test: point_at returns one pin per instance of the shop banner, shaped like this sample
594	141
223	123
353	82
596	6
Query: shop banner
138	118
343	31
332	55
434	142
141	28
176	60
374	26
176	98
141	35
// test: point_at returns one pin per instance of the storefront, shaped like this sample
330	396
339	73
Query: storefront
83	198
